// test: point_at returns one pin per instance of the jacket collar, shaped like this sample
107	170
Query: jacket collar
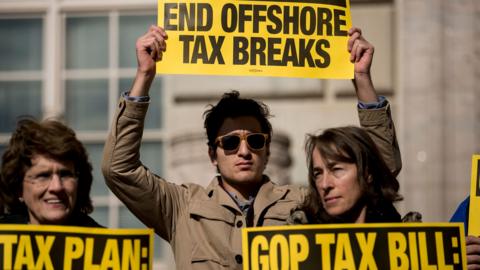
216	192
268	194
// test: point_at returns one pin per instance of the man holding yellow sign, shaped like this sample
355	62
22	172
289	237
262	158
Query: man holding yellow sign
297	38
203	225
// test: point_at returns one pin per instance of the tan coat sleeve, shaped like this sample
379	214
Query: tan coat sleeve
153	200
379	124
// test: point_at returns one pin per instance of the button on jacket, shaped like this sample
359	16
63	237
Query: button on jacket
203	225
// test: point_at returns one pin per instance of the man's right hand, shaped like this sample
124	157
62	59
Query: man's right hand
150	48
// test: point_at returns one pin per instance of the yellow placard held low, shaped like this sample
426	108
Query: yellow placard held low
355	246
474	212
67	247
304	38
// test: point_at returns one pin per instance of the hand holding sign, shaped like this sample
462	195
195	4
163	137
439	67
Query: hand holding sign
150	48
473	252
361	51
361	54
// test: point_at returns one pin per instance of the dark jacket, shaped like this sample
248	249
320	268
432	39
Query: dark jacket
386	213
461	214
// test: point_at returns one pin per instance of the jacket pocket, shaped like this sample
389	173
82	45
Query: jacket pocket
278	213
211	228
200	255
210	211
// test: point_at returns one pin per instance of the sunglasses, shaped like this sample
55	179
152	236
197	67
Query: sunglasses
231	142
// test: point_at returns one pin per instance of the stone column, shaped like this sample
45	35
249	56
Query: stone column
438	87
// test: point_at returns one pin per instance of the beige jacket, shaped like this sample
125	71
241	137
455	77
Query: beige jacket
203	225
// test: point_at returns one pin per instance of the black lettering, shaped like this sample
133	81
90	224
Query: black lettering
229	14
186	39
199	50
258	51
276	28
324	20
290	53
186	17
307	20
339	22
204	17
168	15
273	51
257	48
306	52
276	19
240	53
258	17
242	17
322	43
216	52
290	19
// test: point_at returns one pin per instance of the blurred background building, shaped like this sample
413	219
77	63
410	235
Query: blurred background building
70	60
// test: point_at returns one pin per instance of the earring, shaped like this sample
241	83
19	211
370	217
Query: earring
21	199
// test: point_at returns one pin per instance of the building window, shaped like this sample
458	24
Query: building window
99	65
21	72
96	64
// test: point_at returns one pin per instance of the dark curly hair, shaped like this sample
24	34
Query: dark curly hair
232	106
51	139
353	145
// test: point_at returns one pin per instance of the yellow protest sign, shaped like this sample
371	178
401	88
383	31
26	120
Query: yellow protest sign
474	206
306	38
65	247
392	246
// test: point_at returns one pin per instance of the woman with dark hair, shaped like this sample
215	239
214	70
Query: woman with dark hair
46	176
349	181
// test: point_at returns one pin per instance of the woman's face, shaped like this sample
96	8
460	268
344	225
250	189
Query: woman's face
49	190
338	186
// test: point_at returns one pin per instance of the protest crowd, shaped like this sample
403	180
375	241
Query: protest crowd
46	175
